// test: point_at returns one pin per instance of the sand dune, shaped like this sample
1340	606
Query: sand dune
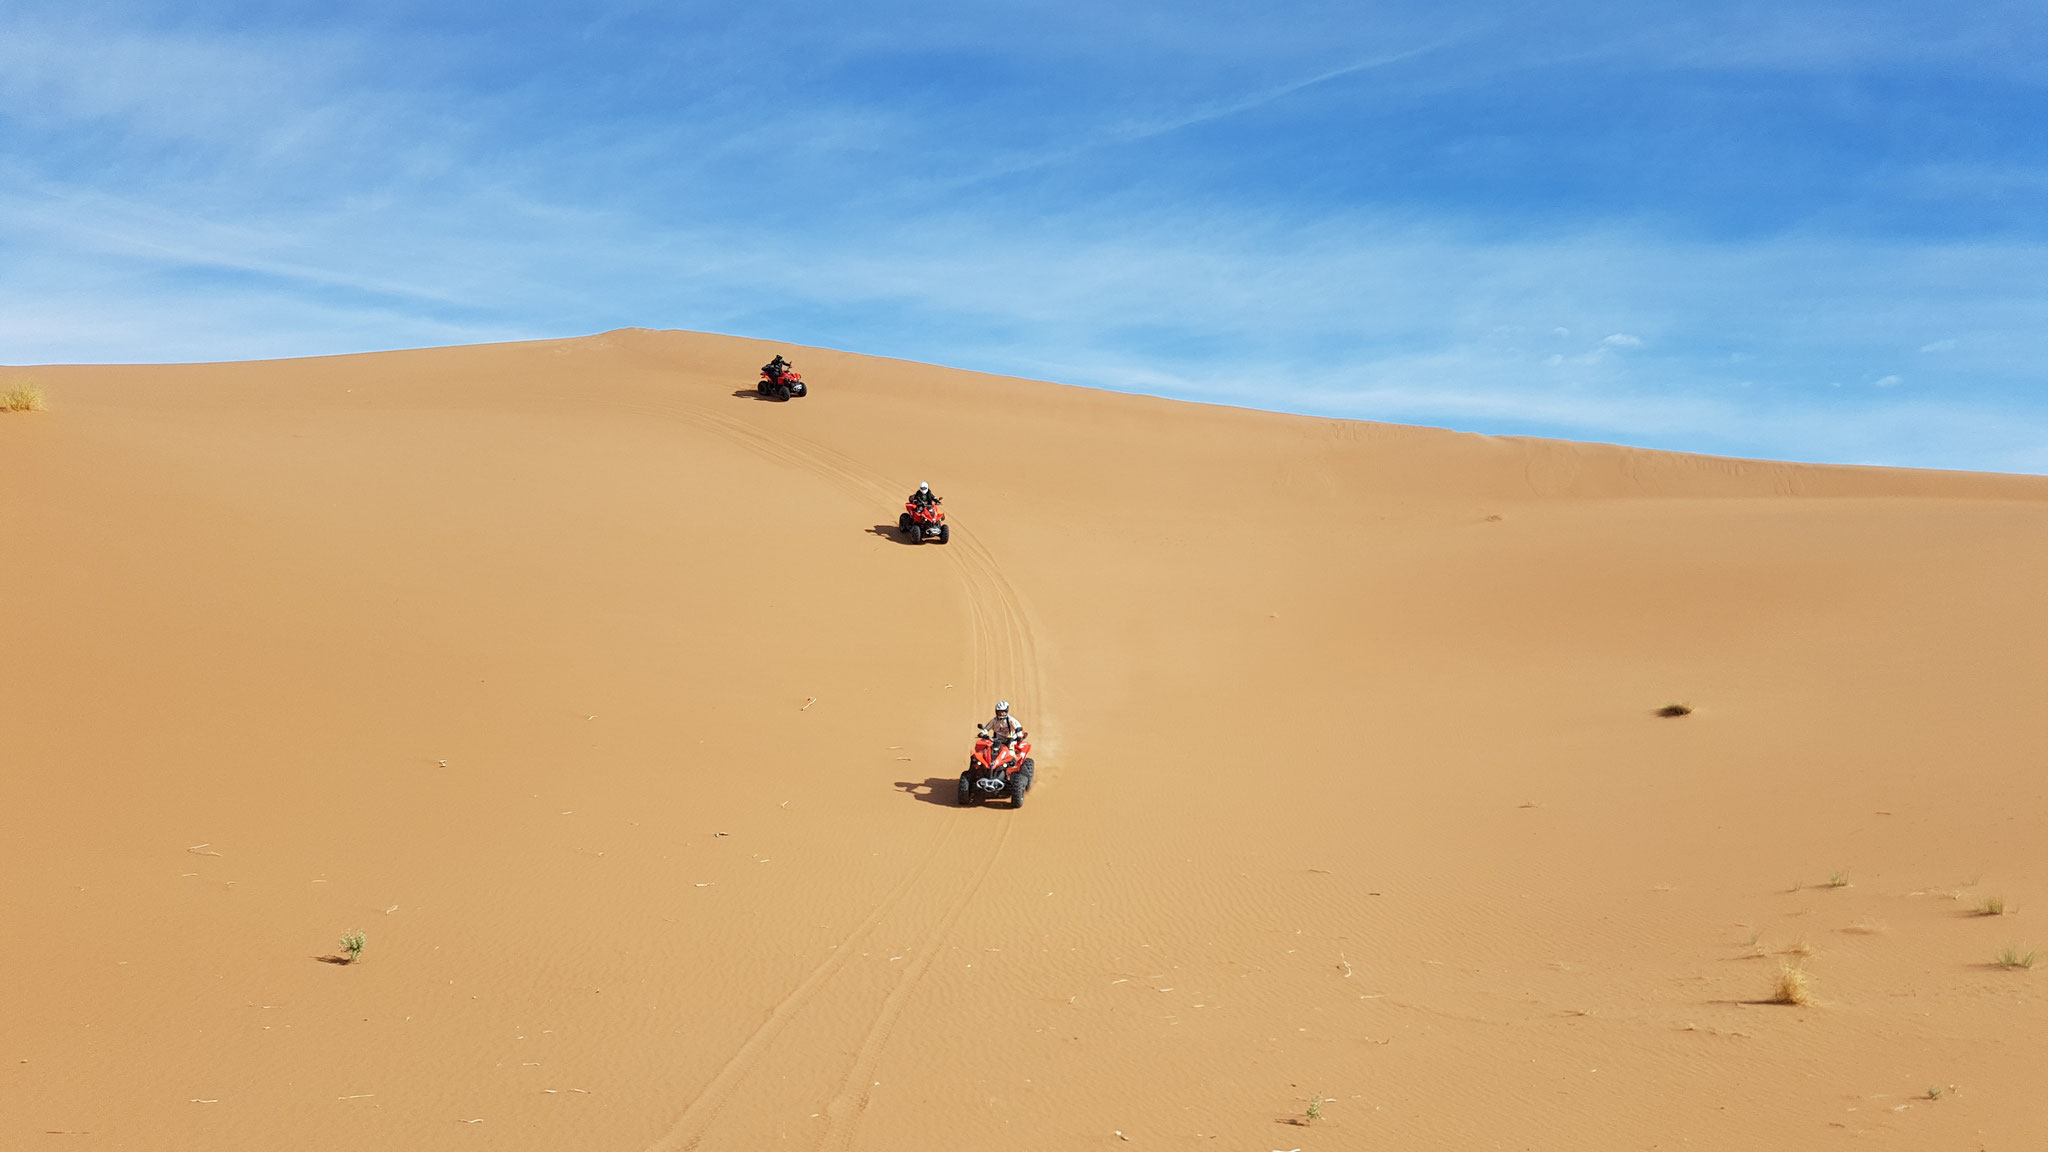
602	698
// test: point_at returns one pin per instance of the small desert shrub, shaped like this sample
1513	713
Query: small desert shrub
22	398
1315	1109
1794	986
1838	879
1675	710
2014	958
1992	906
352	946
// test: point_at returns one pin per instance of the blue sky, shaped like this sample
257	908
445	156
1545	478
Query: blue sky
1791	229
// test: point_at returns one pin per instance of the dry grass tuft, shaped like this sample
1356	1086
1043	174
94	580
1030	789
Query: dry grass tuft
1675	710
1992	906
1794	986
1801	949
22	398
1838	879
2012	957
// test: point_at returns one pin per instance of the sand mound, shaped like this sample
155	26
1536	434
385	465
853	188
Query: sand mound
603	699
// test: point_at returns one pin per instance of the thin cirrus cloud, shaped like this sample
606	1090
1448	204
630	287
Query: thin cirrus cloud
1682	226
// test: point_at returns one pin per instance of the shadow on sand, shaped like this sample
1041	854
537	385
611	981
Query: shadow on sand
892	532
939	790
750	394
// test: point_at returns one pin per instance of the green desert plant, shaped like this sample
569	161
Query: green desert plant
1838	879
22	398
1675	709
1315	1109
352	946
1992	906
1793	987
1934	1091
2012	957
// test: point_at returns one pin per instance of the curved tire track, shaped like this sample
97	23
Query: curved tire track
1005	660
688	1131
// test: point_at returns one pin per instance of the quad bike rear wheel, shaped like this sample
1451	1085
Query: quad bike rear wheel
782	391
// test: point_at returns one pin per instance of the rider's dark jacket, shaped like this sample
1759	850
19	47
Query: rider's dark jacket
924	498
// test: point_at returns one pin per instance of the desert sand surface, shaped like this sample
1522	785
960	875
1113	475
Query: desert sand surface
603	699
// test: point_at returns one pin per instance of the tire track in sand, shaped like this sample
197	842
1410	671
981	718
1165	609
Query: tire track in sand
1006	657
1005	660
688	1131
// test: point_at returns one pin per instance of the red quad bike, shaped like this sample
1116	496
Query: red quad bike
922	524
996	770
781	385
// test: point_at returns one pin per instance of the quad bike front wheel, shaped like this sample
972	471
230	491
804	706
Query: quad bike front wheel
966	792
945	533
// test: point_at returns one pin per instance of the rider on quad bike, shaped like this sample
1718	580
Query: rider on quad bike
1002	727
779	379
1001	764
922	520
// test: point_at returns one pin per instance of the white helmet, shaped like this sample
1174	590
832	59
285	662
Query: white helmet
923	487
1002	706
